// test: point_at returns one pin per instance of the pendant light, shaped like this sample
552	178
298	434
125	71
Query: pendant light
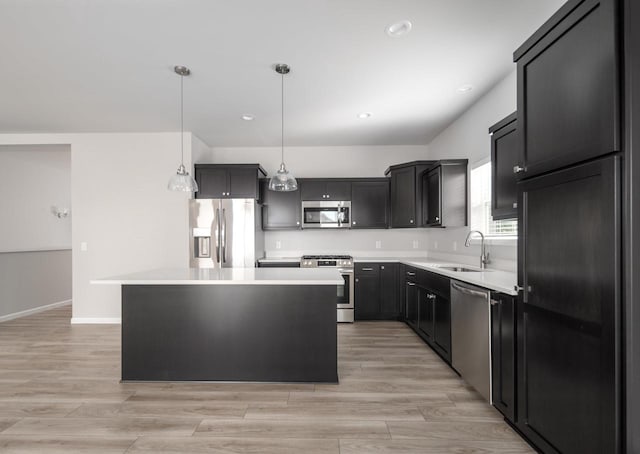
182	181
283	180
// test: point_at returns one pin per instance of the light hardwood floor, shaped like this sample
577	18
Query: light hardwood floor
60	393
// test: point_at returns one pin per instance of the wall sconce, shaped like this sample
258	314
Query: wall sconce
60	213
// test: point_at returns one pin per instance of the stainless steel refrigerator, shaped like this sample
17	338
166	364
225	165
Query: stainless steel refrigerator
225	233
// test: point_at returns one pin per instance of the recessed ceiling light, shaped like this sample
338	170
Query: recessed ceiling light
399	29
465	88
364	115
248	117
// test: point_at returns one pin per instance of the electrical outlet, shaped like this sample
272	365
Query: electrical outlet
83	246
455	245
435	245
378	244
415	244
278	244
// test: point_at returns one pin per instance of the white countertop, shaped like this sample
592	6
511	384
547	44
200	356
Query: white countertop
228	276
500	281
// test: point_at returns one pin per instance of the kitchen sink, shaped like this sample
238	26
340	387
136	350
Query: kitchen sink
460	269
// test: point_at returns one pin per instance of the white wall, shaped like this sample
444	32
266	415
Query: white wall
122	210
35	245
468	137
33	179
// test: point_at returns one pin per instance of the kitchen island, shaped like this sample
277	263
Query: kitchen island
232	324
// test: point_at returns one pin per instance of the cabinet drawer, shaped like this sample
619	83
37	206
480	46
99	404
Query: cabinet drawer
367	269
436	283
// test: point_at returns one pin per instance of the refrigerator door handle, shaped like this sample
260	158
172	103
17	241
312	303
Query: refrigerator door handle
217	234
224	236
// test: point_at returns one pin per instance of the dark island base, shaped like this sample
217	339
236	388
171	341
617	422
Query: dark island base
271	333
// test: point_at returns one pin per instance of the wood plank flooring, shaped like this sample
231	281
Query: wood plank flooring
60	393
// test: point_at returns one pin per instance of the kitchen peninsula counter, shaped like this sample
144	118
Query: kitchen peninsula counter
239	324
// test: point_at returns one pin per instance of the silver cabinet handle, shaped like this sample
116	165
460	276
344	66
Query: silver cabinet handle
367	269
411	283
469	291
494	302
224	236
518	169
217	234
518	288
515	204
431	296
410	273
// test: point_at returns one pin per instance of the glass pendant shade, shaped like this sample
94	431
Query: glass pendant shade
182	181
283	181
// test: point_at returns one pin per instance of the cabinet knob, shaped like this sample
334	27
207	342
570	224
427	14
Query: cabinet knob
494	302
357	280
328	196
354	222
518	169
437	218
297	222
515	204
382	267
410	221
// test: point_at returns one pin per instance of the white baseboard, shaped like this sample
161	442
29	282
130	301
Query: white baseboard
35	310
95	320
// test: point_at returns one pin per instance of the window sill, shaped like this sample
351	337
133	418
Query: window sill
496	240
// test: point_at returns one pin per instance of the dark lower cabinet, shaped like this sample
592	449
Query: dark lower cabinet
376	291
503	354
568	314
280	210
427	308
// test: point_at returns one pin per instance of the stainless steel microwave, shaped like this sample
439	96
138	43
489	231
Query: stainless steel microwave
325	214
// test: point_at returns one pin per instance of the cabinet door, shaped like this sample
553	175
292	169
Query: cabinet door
212	183
370	205
504	158
389	307
503	354
242	183
313	189
367	291
569	266
442	326
411	303
568	90
280	210
338	190
403	197
425	313
432	197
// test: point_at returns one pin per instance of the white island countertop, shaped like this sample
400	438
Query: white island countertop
228	276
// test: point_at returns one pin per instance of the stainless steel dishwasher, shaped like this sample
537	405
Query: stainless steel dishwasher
471	335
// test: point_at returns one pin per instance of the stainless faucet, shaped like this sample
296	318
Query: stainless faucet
484	255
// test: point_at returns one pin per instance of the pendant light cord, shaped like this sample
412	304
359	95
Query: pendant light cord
181	120
282	119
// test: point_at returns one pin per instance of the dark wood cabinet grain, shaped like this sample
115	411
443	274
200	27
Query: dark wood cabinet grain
280	210
568	88
504	161
567	317
228	181
503	354
370	204
376	291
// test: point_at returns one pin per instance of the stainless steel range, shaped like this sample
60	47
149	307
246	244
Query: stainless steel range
344	263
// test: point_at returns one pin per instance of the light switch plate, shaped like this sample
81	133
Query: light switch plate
378	244
278	244
416	244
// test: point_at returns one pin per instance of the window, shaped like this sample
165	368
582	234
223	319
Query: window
481	206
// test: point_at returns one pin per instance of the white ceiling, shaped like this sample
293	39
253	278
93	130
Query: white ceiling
106	65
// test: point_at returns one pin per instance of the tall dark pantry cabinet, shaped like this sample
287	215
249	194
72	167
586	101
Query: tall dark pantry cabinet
572	175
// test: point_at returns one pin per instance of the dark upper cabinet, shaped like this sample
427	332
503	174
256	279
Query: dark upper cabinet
504	160
280	210
228	181
370	204
376	291
568	88
406	192
444	194
503	354
325	189
569	261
